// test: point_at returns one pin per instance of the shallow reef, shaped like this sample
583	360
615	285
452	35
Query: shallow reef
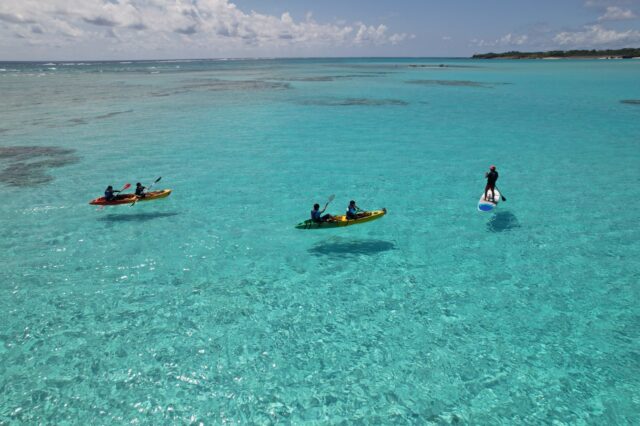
356	102
214	85
455	83
28	166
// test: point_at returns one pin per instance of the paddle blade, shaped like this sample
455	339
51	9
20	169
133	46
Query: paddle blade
331	198
157	180
127	186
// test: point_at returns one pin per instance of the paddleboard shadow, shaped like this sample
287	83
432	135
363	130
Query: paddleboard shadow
502	221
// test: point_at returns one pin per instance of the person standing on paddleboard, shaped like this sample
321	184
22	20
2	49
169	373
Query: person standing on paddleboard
492	178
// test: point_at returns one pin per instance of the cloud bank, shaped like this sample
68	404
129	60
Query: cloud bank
214	26
597	35
615	13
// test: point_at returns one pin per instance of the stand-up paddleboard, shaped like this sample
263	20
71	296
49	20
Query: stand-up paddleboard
485	205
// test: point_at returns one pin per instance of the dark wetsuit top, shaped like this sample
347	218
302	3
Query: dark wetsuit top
109	195
352	213
492	177
140	190
315	216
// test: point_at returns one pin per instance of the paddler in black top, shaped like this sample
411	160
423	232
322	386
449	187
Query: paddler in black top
316	214
492	177
140	190
109	193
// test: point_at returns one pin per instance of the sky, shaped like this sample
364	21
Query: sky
171	29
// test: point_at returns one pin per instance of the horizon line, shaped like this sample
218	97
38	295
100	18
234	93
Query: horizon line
238	58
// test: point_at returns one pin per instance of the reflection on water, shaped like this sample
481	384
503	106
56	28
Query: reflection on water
347	247
136	217
502	221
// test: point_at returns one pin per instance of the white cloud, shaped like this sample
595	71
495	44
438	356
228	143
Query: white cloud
615	13
215	25
504	41
597	35
513	40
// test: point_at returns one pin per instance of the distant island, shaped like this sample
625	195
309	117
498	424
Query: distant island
627	53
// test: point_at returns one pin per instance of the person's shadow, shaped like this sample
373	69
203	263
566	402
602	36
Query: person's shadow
342	248
502	221
135	217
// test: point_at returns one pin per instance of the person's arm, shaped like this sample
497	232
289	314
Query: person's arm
325	207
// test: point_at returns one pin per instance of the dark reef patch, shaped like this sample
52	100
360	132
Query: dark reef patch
85	120
454	83
630	101
441	66
112	114
356	102
27	166
215	85
323	78
76	122
317	78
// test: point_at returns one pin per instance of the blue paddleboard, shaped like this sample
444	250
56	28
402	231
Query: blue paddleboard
485	205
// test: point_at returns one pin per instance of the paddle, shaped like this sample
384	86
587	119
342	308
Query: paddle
124	188
502	196
330	199
148	188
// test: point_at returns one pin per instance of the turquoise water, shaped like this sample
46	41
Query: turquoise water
208	306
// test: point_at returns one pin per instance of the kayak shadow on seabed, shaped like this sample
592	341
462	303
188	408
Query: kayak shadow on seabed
502	221
342	248
135	217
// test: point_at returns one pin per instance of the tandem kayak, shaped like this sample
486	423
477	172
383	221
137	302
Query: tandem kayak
130	198
340	221
486	205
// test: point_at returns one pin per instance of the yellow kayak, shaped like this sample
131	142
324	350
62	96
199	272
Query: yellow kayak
340	221
130	198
